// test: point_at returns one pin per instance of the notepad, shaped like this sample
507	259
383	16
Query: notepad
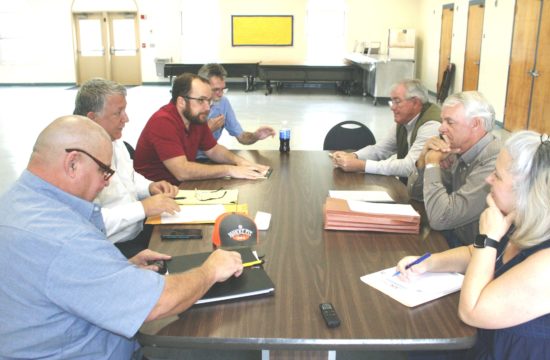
254	281
427	287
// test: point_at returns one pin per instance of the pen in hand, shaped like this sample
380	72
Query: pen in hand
252	263
416	262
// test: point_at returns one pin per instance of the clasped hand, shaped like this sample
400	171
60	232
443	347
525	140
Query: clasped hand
347	161
436	150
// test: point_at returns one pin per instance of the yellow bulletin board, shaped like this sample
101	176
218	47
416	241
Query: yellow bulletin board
262	30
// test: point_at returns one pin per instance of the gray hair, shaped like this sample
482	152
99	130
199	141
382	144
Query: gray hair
530	153
413	89
475	105
92	94
210	70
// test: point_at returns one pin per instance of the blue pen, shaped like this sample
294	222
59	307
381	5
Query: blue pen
416	262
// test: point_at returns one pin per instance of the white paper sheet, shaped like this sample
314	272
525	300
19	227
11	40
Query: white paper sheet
193	214
378	208
372	196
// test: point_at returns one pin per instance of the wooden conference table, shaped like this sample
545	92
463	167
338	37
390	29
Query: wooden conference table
308	266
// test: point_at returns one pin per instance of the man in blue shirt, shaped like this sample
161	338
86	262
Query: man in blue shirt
67	291
221	113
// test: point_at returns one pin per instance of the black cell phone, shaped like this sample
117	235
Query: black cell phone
180	234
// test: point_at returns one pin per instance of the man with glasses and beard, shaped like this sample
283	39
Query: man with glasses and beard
168	145
416	120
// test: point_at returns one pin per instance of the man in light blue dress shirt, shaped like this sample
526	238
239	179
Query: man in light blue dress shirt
67	292
221	114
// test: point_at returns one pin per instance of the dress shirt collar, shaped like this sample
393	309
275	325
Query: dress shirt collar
410	125
88	210
469	156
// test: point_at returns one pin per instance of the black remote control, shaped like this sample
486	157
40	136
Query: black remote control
329	314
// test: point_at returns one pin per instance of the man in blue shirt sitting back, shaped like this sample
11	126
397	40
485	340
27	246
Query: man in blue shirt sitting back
221	113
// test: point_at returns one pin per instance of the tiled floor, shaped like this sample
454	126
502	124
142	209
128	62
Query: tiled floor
310	113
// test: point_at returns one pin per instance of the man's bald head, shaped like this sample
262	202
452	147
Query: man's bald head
69	132
52	163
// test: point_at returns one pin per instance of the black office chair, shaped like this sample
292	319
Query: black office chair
130	149
348	135
448	76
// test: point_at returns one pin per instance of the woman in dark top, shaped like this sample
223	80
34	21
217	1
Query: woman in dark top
506	291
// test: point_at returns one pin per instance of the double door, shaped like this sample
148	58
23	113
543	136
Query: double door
528	94
108	47
447	16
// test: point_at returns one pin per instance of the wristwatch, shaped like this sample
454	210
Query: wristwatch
482	241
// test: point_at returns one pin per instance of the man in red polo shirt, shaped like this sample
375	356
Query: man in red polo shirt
169	142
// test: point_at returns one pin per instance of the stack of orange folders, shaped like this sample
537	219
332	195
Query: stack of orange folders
364	216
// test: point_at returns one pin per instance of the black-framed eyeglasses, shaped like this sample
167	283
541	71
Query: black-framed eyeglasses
201	101
207	195
107	171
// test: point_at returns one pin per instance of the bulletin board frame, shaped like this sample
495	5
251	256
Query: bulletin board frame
262	30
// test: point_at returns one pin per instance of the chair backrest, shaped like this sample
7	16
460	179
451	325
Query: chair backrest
130	149
448	76
348	135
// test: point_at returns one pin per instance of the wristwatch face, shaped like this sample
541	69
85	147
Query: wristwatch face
479	242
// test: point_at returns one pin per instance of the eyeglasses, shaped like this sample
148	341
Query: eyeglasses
201	101
107	171
207	195
397	102
224	90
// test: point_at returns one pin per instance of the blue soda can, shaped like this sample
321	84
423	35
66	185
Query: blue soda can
284	138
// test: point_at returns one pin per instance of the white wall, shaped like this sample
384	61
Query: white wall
370	20
177	30
44	29
161	32
295	53
495	52
495	48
